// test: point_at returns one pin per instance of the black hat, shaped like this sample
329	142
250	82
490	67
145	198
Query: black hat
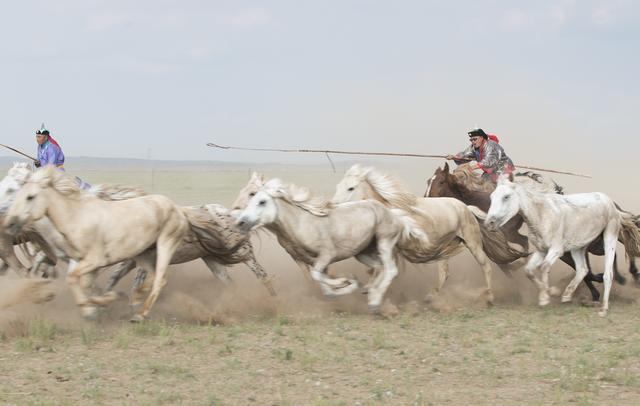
478	132
42	131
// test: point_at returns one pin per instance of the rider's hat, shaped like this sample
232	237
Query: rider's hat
43	130
478	132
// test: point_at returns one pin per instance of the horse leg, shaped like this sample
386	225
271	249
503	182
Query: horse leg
260	273
443	275
617	275
633	270
552	256
123	269
165	248
141	283
473	241
389	271
330	286
589	278
535	260
77	280
218	270
580	259
373	262
611	233
10	259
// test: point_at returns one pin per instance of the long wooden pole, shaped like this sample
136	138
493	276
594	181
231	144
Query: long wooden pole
18	152
397	154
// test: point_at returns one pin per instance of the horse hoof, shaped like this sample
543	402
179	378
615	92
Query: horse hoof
543	302
602	313
89	313
137	318
374	309
565	299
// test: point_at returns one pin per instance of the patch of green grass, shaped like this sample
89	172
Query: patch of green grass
122	340
283	354
37	335
211	400
167	369
90	335
151	328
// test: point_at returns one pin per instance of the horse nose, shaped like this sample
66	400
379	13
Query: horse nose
490	223
242	224
13	227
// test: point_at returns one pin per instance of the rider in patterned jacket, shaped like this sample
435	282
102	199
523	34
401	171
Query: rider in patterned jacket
487	153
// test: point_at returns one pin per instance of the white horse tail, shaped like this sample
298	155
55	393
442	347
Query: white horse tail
630	233
410	227
495	243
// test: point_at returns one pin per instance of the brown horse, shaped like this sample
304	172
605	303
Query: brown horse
463	185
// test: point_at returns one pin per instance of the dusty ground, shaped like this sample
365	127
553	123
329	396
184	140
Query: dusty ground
209	345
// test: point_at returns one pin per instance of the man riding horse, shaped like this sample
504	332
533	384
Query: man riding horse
487	153
50	153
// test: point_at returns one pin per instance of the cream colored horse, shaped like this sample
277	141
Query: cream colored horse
317	233
447	224
98	233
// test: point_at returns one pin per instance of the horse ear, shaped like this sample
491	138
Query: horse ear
510	176
446	167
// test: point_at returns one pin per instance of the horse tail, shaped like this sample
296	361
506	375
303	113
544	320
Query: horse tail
495	243
630	233
410	227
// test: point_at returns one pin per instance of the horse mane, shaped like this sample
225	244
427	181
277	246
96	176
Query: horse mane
463	174
298	196
536	182
115	192
58	180
390	189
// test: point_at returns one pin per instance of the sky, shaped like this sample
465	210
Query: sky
557	81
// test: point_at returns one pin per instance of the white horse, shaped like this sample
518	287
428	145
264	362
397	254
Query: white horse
560	223
98	233
446	224
9	186
317	233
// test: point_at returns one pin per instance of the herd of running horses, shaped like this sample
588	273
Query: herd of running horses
371	217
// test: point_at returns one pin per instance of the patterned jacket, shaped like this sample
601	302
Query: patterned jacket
491	159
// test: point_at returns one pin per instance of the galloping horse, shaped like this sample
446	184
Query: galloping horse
561	223
98	233
464	185
317	233
446	224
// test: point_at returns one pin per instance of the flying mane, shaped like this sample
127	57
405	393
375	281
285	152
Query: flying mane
390	189
298	196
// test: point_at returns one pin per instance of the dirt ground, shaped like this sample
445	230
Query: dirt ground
210	345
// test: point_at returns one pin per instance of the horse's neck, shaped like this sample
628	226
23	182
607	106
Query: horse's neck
472	197
287	226
533	207
63	212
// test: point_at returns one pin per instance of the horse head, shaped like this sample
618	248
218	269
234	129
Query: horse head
256	182
12	183
505	203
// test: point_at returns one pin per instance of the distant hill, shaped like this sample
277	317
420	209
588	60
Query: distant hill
81	163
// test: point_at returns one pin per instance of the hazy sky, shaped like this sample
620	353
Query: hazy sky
557	80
